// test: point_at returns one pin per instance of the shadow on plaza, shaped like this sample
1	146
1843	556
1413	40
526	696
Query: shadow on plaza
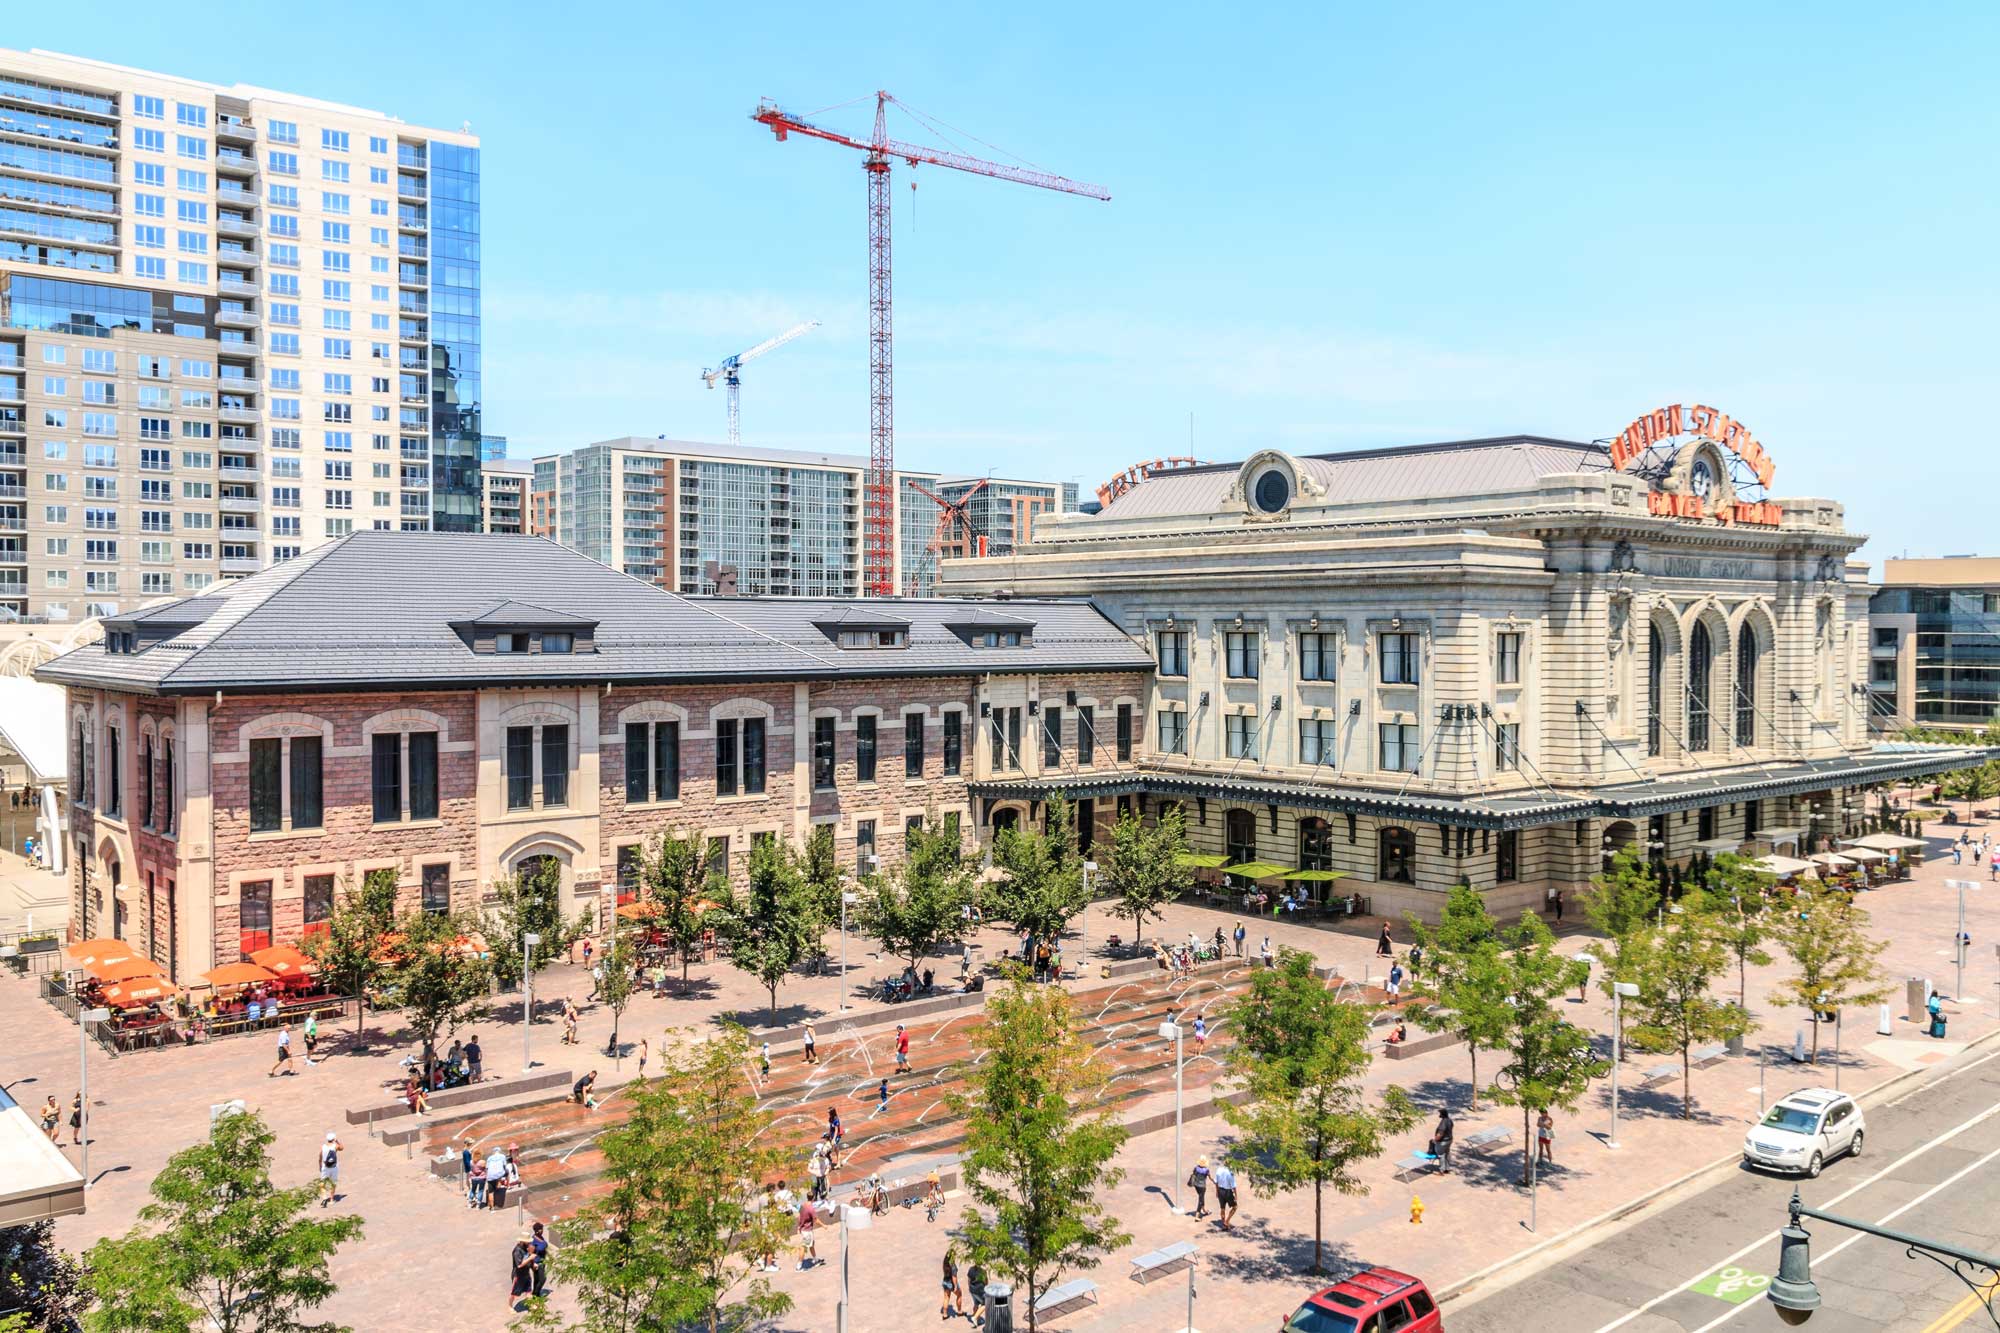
1279	1254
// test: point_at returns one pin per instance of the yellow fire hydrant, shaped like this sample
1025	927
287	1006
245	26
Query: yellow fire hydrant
1416	1211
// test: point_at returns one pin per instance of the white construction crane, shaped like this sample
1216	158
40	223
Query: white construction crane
727	373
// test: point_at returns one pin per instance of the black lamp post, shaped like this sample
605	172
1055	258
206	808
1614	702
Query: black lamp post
1796	1297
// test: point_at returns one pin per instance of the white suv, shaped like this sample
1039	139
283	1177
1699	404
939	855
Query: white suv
1805	1131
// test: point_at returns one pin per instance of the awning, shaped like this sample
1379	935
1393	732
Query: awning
1316	876
238	974
1720	846
91	953
1257	870
139	991
1888	842
1201	860
124	969
284	960
1781	865
36	1180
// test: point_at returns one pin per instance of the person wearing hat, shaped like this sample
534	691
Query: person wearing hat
1199	1179
329	1167
812	1045
523	1269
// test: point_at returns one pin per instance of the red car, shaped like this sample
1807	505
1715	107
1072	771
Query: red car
1374	1300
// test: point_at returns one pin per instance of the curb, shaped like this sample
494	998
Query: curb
1453	1290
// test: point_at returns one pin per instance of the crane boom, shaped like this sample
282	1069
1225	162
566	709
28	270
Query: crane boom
879	525
726	372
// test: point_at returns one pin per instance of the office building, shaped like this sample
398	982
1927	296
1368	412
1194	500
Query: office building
1934	643
237	323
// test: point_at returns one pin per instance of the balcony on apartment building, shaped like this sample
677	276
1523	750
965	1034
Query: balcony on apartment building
243	471
232	284
410	217
236	315
235	162
413	247
229	192
235	224
235	129
241	564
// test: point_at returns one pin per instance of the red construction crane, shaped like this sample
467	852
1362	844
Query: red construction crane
879	513
956	534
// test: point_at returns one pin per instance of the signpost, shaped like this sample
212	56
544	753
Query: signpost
1958	941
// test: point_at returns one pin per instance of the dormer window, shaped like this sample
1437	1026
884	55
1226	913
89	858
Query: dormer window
121	641
558	643
516	629
853	627
994	638
875	638
512	643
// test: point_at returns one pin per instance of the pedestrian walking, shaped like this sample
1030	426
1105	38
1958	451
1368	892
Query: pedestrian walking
882	1095
933	1195
284	1062
645	1050
764	1060
1264	951
312	1036
522	1278
951	1295
540	1245
1225	1196
1382	946
1240	934
812	1045
834	1133
1198	1178
817	1168
975	1288
329	1169
1958	853
1559	907
902	1049
1441	1138
76	1119
473	1057
475	1181
586	952
51	1118
1395	980
1545	1138
808	1223
1200	1033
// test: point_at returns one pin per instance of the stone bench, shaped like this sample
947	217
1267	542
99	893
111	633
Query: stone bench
470	1094
1159	1263
1069	1296
1424	1045
1480	1140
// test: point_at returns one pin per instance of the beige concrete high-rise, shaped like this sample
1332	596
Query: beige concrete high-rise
222	341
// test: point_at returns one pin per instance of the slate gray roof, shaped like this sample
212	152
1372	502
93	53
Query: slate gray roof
1372	476
524	614
376	610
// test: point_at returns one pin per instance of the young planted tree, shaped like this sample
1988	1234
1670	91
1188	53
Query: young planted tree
1036	1158
439	974
1463	980
675	877
1142	866
819	867
778	922
42	1288
921	908
1837	965
350	949
682	1224
226	1250
1675	1010
620	982
1043	891
1549	1061
1621	905
530	901
1736	912
1301	1055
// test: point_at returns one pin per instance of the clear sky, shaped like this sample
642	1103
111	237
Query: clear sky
1332	225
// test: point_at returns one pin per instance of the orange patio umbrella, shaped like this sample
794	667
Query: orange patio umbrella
139	991
125	969
642	909
238	974
86	952
286	961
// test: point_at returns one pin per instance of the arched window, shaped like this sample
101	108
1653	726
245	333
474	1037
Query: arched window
1006	818
1746	685
1398	856
1315	845
1656	676
1701	656
1240	836
146	779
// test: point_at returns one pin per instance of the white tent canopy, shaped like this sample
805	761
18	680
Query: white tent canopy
1781	865
1888	842
1832	859
1863	854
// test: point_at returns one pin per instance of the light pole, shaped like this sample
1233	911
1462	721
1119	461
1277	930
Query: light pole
85	1017
1958	940
1797	1296
1619	990
847	899
859	1219
529	939
1083	919
1171	1030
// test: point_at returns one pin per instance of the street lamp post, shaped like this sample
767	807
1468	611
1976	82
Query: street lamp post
847	899
859	1219
1797	1296
529	939
1619	991
1083	919
1958	940
1171	1029
85	1017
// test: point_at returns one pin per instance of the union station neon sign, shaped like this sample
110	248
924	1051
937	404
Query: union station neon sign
1697	488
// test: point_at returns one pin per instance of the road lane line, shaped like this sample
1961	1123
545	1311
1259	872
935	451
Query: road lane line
1953	1179
1765	1239
1961	1312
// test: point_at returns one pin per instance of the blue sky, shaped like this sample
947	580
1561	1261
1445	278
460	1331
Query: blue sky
1332	225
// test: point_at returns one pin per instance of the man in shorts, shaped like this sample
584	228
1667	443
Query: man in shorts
284	1064
1225	1195
329	1168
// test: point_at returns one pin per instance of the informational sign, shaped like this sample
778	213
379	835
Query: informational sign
1695	484
1663	424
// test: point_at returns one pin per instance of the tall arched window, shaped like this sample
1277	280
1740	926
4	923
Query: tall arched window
1701	656
1240	835
1746	685
1398	857
1315	845
1656	675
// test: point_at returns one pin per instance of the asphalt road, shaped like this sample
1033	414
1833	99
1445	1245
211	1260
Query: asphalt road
1931	1166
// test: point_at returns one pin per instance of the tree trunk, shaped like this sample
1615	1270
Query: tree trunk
1138	929
1469	1046
1687	1086
1527	1137
1318	1189
773	988
1815	1038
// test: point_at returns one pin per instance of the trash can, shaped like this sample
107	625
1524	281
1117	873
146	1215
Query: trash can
1916	992
999	1308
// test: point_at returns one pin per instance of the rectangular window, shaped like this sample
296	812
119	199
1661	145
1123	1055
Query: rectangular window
1506	747
1317	740
1319	657
1124	733
267	785
725	757
753	755
318	914
913	745
307	808
1507	660
1507	859
388	778
1173	731
1402	659
1241	651
1241	735
638	762
1051	737
520	768
1173	652
1013	738
629	869
823	753
864	748
423	747
666	761
954	741
437	889
253	918
1399	747
864	846
1086	736
555	766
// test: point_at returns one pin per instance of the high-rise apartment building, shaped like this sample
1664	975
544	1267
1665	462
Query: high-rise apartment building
504	483
234	323
789	521
1934	644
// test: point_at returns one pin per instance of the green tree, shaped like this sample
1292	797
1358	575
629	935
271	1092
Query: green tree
620	982
1036	1159
675	876
1675	1010
1142	867
1549	1061
439	975
531	901
824	882
42	1289
1043	890
227	1250
778	922
1463	979
1735	910
351	948
1301	1054
1827	939
681	1225
1621	905
922	907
